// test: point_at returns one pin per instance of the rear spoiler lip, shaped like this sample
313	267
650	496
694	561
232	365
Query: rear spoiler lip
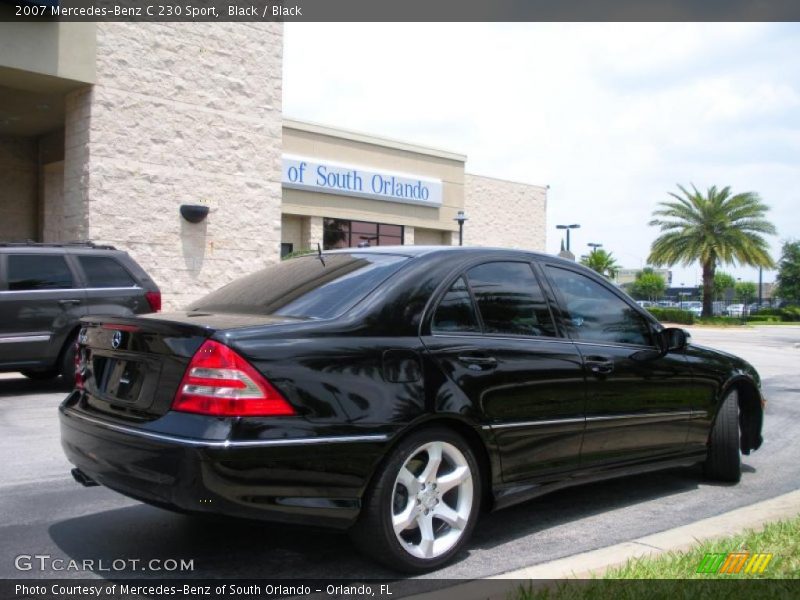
153	325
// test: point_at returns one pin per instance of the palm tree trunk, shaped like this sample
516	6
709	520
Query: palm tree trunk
708	289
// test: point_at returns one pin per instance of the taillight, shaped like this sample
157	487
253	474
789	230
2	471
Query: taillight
154	300
80	366
219	382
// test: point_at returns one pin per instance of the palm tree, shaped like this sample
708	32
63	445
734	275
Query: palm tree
718	228
601	261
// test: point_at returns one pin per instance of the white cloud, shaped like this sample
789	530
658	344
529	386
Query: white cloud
612	116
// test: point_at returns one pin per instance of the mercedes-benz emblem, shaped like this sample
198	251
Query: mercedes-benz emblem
116	340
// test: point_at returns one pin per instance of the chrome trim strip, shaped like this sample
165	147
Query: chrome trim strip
75	289
661	415
535	423
195	443
24	338
676	414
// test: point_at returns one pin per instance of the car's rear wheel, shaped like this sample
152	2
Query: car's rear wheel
41	375
724	462
423	504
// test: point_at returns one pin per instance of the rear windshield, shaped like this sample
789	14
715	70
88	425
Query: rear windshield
304	287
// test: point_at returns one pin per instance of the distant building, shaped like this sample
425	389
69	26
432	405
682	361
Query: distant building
629	275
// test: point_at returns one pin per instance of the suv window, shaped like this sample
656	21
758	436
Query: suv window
304	287
105	272
456	312
596	313
510	300
38	272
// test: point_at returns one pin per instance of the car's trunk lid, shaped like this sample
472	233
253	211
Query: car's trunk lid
132	366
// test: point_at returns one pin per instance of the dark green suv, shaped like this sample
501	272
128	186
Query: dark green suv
46	288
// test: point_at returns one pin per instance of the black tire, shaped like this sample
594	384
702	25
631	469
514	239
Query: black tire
67	362
374	533
41	375
724	462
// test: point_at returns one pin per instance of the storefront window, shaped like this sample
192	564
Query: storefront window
338	233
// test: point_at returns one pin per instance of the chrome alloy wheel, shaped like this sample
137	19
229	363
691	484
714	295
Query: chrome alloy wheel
432	500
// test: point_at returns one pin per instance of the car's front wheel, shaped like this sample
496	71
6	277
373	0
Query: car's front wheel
423	504
724	461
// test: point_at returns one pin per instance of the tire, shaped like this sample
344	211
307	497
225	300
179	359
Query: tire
67	362
724	462
41	375
432	525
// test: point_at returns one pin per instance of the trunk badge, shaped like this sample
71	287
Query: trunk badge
116	340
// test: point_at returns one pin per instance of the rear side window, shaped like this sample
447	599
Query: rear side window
304	287
105	272
456	312
510	300
38	272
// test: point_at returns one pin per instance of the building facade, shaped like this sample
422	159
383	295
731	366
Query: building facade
107	129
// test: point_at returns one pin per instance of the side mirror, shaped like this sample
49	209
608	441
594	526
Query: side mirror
673	339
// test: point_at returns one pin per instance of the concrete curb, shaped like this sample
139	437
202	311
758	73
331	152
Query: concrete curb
596	562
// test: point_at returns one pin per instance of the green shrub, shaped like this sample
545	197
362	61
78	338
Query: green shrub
672	315
721	320
297	253
789	313
762	318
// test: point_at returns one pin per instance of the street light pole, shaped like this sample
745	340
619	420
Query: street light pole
568	227
461	218
594	246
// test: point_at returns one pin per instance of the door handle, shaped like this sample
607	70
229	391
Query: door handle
480	361
69	301
600	365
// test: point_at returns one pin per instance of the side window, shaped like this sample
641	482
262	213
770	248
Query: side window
38	272
105	272
597	314
510	300
456	312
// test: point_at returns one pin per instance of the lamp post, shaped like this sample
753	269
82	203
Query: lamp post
760	287
568	227
461	218
594	246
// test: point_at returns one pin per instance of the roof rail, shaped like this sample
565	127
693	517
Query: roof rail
72	244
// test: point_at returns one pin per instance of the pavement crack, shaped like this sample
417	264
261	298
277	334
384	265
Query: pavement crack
648	545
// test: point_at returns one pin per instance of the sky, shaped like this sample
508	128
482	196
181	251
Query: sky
611	116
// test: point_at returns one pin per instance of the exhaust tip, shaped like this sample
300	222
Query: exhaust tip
83	478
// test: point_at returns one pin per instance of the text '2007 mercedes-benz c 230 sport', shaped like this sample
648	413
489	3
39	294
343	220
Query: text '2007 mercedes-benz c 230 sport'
398	392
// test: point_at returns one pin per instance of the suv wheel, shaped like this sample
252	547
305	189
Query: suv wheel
67	364
724	462
423	504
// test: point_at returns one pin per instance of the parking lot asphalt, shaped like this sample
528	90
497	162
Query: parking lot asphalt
44	512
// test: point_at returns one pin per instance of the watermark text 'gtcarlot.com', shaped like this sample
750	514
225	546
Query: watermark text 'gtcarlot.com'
46	562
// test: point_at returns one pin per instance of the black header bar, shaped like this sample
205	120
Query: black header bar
400	10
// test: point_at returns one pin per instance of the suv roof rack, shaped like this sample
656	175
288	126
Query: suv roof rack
76	243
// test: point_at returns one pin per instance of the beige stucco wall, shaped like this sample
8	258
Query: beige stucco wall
341	146
60	51
292	230
504	213
431	237
18	189
182	113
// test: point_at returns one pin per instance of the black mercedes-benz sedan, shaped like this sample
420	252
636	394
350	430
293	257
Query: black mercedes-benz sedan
398	392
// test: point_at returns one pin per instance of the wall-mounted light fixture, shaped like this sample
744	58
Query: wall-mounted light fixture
194	213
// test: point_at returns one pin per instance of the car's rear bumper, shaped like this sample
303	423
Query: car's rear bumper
315	481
